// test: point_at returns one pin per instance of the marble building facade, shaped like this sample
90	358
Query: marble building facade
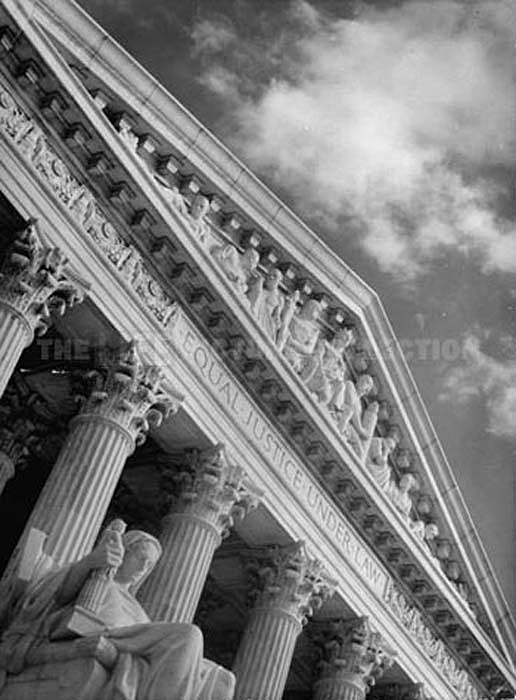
181	353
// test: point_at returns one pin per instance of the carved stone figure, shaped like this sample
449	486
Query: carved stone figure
133	659
303	334
289	309
401	494
239	268
378	459
198	212
128	135
325	372
356	423
266	300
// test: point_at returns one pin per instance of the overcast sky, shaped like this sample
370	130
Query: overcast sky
390	127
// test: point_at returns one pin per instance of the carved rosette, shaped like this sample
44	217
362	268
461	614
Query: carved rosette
293	582
36	280
128	393
212	488
354	657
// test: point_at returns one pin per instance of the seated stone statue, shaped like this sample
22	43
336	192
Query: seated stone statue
356	423
378	459
238	268
131	659
303	335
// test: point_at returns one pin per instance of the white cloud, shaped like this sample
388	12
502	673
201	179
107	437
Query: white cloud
483	377
212	36
392	121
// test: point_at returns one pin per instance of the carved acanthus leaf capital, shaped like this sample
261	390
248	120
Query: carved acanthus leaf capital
353	652
25	432
36	280
211	486
289	579
130	393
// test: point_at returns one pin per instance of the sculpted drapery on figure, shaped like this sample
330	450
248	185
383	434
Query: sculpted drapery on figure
356	422
239	268
378	459
198	212
325	371
266	301
303	334
400	494
150	661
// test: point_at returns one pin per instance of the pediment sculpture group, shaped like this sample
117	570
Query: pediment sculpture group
321	364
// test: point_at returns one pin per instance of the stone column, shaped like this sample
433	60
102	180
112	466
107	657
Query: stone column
399	691
34	281
210	493
125	399
354	657
292	584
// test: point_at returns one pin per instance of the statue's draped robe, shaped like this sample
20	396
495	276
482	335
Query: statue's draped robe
156	661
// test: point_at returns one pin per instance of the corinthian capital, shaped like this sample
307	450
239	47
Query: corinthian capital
36	280
353	653
293	582
129	393
213	488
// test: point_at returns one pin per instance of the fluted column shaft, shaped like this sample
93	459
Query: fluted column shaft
354	656
212	492
339	689
265	654
124	399
76	496
291	585
174	591
15	335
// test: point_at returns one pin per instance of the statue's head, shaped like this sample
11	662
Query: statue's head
408	483
200	207
365	384
390	444
311	309
142	551
344	337
273	278
431	531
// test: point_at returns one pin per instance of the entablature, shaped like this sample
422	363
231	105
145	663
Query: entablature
189	272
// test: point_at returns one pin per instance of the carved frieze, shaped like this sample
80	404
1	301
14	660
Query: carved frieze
413	621
130	266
